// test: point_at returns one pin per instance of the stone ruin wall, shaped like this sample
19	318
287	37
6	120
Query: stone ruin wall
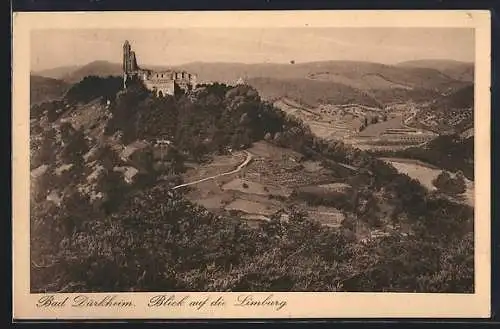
166	82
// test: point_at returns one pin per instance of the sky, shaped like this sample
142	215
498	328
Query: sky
56	48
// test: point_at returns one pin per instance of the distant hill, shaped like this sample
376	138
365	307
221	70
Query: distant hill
77	73
360	75
314	82
96	68
311	92
462	71
58	72
44	89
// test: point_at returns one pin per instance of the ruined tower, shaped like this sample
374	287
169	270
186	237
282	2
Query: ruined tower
129	63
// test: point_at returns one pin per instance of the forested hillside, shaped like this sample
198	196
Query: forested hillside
463	71
453	112
462	98
105	234
45	89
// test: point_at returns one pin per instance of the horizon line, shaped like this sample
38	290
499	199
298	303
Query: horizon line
255	63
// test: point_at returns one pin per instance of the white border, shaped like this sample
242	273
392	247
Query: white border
299	305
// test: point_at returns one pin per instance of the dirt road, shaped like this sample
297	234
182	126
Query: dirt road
241	166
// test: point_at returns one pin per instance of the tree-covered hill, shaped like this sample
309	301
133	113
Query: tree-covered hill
453	112
463	71
44	89
459	99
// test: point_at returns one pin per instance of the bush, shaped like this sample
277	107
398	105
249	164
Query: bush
446	184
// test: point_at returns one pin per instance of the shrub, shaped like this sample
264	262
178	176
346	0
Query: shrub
449	185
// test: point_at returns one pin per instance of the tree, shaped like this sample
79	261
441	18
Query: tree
75	145
108	157
112	185
449	185
176	159
46	154
459	183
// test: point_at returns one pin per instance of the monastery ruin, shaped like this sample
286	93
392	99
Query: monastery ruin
164	82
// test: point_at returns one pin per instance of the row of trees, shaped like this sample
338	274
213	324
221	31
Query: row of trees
371	121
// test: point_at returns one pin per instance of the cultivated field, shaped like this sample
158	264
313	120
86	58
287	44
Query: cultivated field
353	124
376	129
262	187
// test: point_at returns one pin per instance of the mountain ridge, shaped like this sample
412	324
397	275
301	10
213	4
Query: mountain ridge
463	71
255	69
374	84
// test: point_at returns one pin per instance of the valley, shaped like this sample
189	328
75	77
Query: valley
366	128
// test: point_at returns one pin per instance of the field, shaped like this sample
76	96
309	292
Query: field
353	124
328	216
328	122
263	187
375	130
220	164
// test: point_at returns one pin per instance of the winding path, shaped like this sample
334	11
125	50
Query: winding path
243	164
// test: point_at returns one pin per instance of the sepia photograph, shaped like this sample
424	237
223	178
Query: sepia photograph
263	159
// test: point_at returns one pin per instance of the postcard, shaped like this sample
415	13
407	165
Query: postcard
251	165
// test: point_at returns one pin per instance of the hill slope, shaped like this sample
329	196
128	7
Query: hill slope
73	74
462	71
57	72
450	113
44	89
311	92
96	68
462	98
